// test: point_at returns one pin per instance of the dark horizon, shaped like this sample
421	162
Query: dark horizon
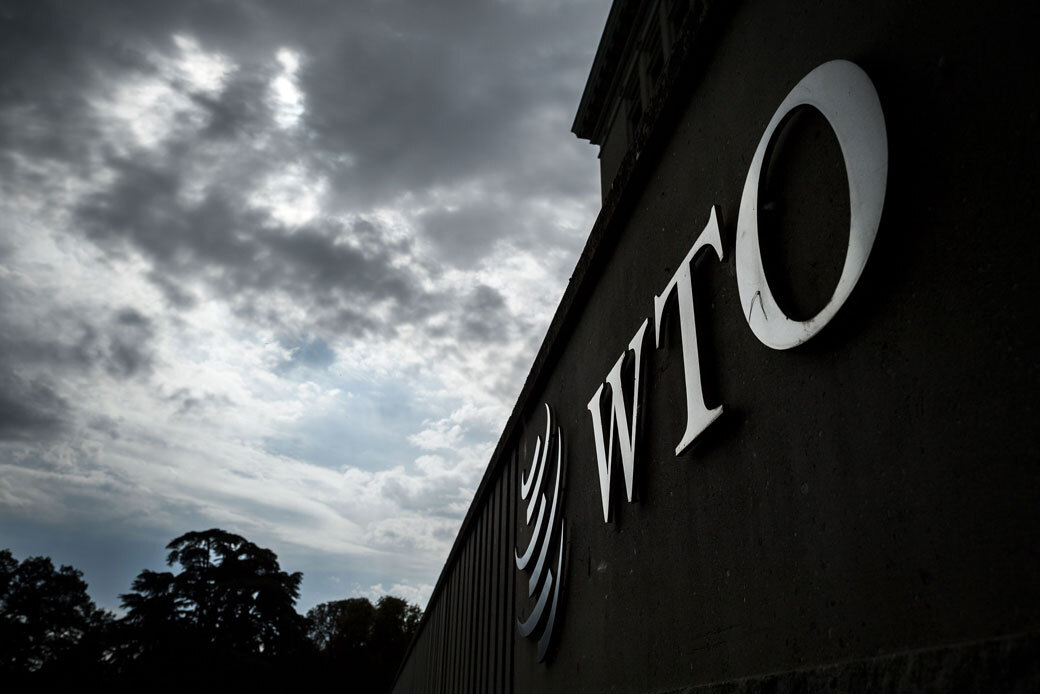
222	617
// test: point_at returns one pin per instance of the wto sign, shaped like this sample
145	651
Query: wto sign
844	94
846	97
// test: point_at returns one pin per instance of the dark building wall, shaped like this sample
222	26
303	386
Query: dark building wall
871	492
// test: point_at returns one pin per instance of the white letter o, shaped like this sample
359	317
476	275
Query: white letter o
843	93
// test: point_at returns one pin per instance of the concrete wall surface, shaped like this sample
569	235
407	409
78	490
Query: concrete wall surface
864	514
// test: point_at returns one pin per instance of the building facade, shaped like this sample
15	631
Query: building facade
780	434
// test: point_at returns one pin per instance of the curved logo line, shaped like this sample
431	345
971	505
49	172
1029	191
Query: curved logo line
521	562
537	573
543	535
537	467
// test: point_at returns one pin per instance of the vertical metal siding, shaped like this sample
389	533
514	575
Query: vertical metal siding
496	596
466	640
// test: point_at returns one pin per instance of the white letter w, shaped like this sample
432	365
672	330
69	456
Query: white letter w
619	417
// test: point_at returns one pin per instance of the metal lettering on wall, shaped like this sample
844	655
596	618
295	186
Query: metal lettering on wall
844	94
546	575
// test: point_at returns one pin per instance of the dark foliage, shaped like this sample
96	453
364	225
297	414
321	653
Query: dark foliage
362	643
226	619
50	630
223	620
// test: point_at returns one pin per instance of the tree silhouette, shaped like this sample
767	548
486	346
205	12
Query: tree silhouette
223	619
228	615
153	633
363	643
49	627
341	625
235	592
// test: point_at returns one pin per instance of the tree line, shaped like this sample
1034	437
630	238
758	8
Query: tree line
223	620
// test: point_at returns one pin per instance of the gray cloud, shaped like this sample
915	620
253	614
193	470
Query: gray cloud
51	341
188	401
30	409
129	349
105	425
240	108
433	139
400	97
462	237
120	346
485	317
242	253
337	270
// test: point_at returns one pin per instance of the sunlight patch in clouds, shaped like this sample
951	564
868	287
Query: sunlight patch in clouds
203	72
285	92
290	195
152	107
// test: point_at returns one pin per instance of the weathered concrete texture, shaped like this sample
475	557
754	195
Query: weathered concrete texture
1013	662
873	491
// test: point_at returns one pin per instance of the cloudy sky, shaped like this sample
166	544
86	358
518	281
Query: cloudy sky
279	268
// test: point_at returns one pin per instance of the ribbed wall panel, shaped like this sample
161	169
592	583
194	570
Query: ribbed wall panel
465	643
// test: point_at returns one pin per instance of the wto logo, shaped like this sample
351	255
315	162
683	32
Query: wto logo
547	535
